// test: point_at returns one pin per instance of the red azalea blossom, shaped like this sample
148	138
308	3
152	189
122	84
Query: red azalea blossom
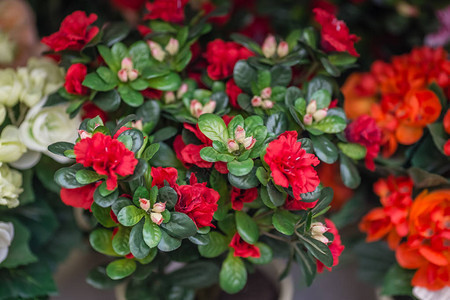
74	79
89	111
233	92
221	20
336	246
258	29
242	248
293	204
222	56
167	10
291	165
75	32
135	5
335	33
365	131
446	121
107	156
447	148
79	197
198	202
160	175
240	196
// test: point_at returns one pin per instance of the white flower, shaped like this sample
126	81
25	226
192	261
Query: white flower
6	237
7	49
10	186
54	74
2	113
425	294
44	126
10	87
11	147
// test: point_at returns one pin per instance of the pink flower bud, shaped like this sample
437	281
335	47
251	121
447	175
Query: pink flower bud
321	238
267	104
269	46
209	107
249	142
84	134
312	107
127	64
182	90
317	228
133	74
169	97
283	49
159	207
156	50
196	108
232	145
320	114
123	75
266	93
307	119
137	124
239	134
172	47
157	218
256	101
144	203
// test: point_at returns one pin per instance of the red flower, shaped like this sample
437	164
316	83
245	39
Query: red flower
107	156
219	20
233	92
336	246
135	5
291	165
242	248
160	174
75	32
293	204
222	56
239	197
446	121
79	197
365	131
447	148
198	202
335	33
74	79
167	10
258	29
89	111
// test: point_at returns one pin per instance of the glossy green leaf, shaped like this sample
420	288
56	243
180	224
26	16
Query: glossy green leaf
130	215
233	275
218	244
151	233
284	221
213	127
247	227
353	150
240	168
120	268
325	150
180	226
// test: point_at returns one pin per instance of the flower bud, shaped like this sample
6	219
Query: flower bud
84	134
232	145
320	114
269	46
123	75
307	119
172	47
312	107
196	108
133	74
283	49
137	124
267	104
182	90
169	97
266	93
321	238
127	64
209	107
318	228
249	142
156	50
144	203
159	207
256	101
157	218
239	134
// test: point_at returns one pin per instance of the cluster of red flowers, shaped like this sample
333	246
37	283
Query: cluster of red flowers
396	95
417	230
167	10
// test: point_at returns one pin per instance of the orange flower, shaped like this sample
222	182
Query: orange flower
359	91
428	246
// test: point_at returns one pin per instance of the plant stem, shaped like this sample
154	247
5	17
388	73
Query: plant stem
273	236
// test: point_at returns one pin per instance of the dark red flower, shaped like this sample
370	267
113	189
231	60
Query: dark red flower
364	131
79	197
293	204
135	5
167	10
336	246
335	33
222	56
89	111
447	148
208	7
242	248
239	197
160	174
152	94
107	156
198	202
233	92
74	79
325	5
291	165
221	167
75	32
258	29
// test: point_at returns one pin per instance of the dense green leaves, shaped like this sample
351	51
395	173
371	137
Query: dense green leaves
397	281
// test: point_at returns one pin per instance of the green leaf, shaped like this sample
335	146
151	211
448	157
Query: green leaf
140	54
131	97
107	75
353	150
397	282
244	75
121	268
326	196
349	172
244	182
137	138
150	151
307	144
98	279
284	221
281	75
309	37
66	178
151	233
218	244
84	176
165	157
329	67
247	227
246	42
439	135
277	123
130	215
292	94
322	98
233	275
168	243
325	150
169	82
119	51
101	241
266	255
300	105
240	168
115	32
102	214
276	197
319	250
213	127
120	241
262	175
209	154
317	83
138	247
107	101
308	266
312	196
331	124
95	82
60	147
342	59
19	252
168	195
105	201
180	226
423	179
196	275
139	170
